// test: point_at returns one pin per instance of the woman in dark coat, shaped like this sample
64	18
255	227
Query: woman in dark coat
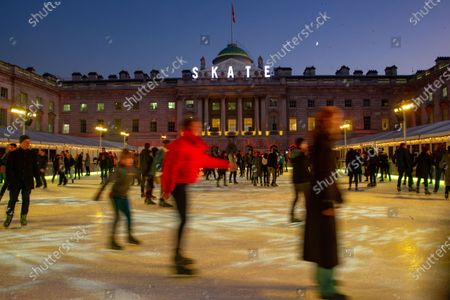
320	244
423	162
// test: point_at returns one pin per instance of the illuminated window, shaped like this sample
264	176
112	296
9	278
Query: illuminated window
172	105
292	124
248	105
153	106
66	128
311	123
248	124
189	104
66	107
444	92
51	106
231	105
100	107
83	107
215	106
385	124
215	124
232	125
430	97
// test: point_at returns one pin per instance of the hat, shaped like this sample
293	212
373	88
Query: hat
23	138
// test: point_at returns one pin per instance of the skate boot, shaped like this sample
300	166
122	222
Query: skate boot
133	240
114	245
23	220
180	260
427	192
7	220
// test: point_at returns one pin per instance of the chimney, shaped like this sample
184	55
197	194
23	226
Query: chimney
92	75
99	77
358	73
49	76
31	69
309	71
442	60
84	77
343	71
124	75
186	75
282	72
153	73
390	71
372	73
76	76
139	75
112	77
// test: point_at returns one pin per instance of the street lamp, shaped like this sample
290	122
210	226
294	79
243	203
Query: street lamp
345	127
26	119
101	129
403	108
125	135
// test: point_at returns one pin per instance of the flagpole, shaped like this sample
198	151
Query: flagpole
231	20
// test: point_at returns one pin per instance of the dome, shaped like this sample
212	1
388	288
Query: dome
233	51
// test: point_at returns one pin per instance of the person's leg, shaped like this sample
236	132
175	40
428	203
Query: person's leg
3	190
13	197
44	181
400	175
325	278
437	179
350	177
294	203
419	178
231	175
179	195
115	204
143	181
25	206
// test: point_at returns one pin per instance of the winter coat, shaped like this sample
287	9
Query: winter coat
402	158
145	161
320	244
300	167
423	163
272	160
258	165
353	162
21	168
232	159
184	159
42	162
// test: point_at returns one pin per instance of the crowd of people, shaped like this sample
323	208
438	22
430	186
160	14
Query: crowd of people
374	165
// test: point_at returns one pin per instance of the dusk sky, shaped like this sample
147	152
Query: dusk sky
108	36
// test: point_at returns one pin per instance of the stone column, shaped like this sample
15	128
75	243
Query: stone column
240	120
222	115
263	115
206	114
283	115
179	112
256	121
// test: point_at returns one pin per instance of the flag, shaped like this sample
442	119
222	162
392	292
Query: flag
232	13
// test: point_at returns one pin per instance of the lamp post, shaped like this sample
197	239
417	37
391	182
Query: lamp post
125	135
345	127
101	129
26	119
403	108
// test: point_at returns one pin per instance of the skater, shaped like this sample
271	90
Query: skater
55	166
222	173
258	166
423	163
78	165
102	161
145	163
320	238
62	169
265	169
248	160
384	166
402	158
301	175
373	167
156	170
437	158
272	164
121	178
233	172
11	148
353	164
445	166
87	164
42	161
21	168
181	167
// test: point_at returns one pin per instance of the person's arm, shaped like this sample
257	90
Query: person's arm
170	165
209	162
108	180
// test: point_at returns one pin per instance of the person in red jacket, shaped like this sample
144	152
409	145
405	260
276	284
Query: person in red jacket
182	164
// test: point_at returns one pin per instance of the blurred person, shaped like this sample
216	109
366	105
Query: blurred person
156	170
240	162
437	158
281	161
301	175
182	164
69	162
42	162
272	164
121	178
233	172
445	166
136	165
79	165
102	161
265	169
21	170
385	171
62	168
55	166
145	163
353	165
402	159
423	163
320	238
222	173
11	147
374	164
87	164
258	167
248	161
